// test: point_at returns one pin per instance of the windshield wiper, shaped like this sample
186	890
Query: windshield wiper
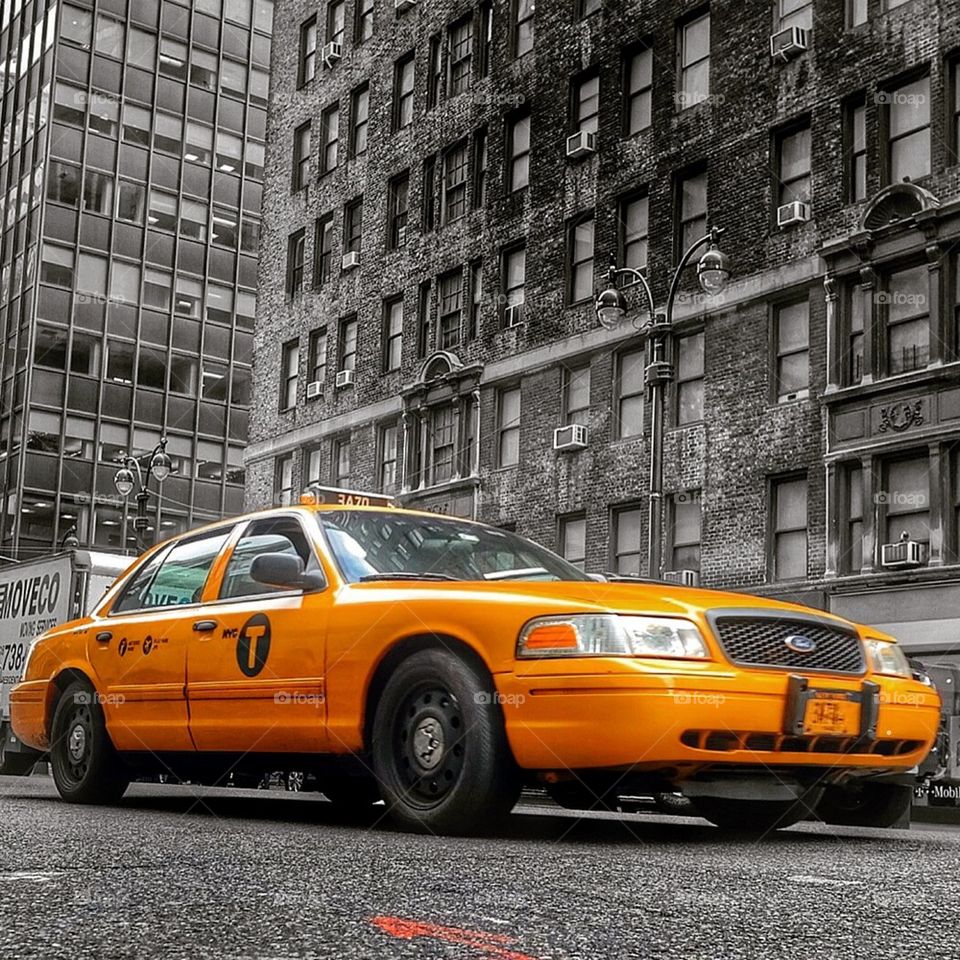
405	575
519	574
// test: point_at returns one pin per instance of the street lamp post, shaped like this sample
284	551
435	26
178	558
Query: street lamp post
713	273
132	476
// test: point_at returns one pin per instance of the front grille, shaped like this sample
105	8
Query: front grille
761	641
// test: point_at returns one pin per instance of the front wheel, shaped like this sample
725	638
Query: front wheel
865	804
86	767
753	818
440	750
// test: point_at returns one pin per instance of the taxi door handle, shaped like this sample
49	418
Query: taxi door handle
104	637
205	626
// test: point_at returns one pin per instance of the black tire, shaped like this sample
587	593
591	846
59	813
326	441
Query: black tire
350	793
578	795
85	765
15	764
752	818
865	804
674	804
440	751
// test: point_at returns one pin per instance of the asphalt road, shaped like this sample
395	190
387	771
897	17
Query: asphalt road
185	872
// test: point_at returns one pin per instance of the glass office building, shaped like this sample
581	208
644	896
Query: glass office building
130	186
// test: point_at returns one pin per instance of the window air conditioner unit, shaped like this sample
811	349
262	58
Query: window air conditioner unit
581	144
350	260
794	212
344	378
685	578
571	437
513	315
314	389
403	5
789	43
332	52
903	554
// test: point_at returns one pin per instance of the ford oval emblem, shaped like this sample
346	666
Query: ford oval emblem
798	643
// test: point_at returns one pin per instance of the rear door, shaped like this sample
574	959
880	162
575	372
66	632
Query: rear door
255	676
139	649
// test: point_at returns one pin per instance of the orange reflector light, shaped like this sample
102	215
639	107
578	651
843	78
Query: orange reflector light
551	636
307	500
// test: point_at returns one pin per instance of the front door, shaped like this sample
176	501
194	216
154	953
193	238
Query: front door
139	650
255	675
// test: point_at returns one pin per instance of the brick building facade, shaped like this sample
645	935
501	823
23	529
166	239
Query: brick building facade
434	237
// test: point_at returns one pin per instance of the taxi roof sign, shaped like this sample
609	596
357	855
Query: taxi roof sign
316	494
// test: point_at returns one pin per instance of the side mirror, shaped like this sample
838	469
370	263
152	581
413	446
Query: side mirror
284	570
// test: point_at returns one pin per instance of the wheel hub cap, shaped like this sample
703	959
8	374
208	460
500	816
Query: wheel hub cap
429	741
77	742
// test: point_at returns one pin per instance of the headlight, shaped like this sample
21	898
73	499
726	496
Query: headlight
607	635
887	658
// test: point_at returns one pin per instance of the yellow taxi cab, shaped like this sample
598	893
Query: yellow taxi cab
441	664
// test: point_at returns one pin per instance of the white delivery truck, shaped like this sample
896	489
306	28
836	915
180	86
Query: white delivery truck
34	596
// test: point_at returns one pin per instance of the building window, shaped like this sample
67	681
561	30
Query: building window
587	7
323	250
392	334
953	110
403	78
398	193
795	13
792	339
692	210
479	168
434	71
580	260
308	51
443	443
301	156
690	378
522	39
348	344
313	472
637	90
573	540
283	481
855	308
475	273
855	12
290	370
576	395
330	131
335	21
450	290
353	226
851	549
693	42
627	527
363	27
630	390
518	152
460	41
423	318
387	458
296	247
905	301
360	120
514	274
453	199
340	461
907	120
793	165
508	427
788	553
586	104
486	38
317	357
855	148
632	220
429	188
684	531
905	500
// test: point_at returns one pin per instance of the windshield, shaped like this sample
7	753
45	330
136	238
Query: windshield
370	544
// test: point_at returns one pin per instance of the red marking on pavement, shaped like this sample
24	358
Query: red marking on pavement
490	944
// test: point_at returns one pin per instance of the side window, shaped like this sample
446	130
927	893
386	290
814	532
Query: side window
175	577
279	535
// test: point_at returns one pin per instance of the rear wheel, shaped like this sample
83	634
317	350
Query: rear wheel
754	818
86	767
865	804
440	750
